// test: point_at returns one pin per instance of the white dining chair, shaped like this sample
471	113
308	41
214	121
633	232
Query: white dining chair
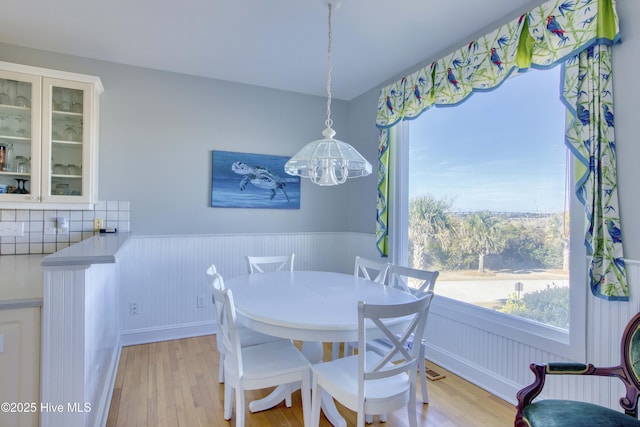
417	282
259	366
368	382
248	337
260	264
370	269
411	279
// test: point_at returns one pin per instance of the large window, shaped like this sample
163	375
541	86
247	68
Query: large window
488	202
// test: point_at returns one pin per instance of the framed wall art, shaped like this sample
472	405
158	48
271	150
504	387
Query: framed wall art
244	180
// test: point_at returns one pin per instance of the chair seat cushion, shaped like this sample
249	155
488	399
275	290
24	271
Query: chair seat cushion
569	413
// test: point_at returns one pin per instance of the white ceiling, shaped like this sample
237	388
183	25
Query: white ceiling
279	44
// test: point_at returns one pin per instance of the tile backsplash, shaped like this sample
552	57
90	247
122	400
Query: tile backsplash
38	237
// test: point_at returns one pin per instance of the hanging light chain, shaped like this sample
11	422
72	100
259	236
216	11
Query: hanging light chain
329	122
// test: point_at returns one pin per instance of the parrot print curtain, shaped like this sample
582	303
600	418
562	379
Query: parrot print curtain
384	160
588	96
575	33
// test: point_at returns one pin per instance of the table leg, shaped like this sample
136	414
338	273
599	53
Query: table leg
274	398
313	352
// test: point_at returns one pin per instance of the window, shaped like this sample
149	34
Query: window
488	204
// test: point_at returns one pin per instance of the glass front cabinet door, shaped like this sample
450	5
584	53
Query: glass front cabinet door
48	136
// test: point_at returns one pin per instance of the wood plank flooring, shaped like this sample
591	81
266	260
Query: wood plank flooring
175	383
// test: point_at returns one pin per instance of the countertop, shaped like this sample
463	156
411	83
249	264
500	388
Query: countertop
99	249
22	276
20	281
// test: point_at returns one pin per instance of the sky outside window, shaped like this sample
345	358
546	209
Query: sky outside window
501	150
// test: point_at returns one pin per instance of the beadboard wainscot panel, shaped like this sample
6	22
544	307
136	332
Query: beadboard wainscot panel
164	276
501	365
80	343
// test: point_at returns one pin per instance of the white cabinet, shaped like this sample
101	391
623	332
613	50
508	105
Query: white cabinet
48	137
20	366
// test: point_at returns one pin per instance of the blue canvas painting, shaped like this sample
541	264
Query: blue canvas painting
243	180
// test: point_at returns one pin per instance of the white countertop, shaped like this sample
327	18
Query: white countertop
22	276
20	281
99	249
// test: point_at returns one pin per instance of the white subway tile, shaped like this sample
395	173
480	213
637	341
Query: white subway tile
8	215
7	249
48	248
36	215
114	212
35	248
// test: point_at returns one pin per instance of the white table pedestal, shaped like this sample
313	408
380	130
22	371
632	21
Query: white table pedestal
313	352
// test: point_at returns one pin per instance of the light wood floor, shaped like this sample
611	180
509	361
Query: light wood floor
175	383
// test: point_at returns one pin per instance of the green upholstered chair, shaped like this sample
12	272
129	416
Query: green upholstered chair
567	413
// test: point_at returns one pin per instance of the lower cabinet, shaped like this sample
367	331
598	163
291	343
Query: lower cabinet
20	366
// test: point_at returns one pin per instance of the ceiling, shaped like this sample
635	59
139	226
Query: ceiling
279	44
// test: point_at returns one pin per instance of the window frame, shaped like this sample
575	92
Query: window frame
568	344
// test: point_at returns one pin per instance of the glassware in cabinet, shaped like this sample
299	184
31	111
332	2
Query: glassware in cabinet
67	146
19	134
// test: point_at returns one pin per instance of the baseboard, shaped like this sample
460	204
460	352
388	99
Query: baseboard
487	380
166	333
107	390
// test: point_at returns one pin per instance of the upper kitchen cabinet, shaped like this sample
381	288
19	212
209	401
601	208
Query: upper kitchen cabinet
48	137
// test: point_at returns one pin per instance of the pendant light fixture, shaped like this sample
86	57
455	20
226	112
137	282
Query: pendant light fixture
328	161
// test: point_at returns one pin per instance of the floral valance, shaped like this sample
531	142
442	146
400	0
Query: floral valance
541	38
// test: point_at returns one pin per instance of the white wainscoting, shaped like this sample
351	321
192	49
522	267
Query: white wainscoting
165	275
80	344
501	365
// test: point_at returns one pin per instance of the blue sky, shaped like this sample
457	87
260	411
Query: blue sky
501	150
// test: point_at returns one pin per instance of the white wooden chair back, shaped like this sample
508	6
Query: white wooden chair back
211	271
415	313
412	280
371	269
261	264
271	364
227	322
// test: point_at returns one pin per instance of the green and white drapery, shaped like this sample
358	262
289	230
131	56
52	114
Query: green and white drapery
575	33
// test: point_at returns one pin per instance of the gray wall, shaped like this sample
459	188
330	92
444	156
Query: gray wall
626	63
157	132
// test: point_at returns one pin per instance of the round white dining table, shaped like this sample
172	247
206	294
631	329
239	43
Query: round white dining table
310	306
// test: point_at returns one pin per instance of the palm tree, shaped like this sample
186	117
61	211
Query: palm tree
557	233
482	235
429	222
